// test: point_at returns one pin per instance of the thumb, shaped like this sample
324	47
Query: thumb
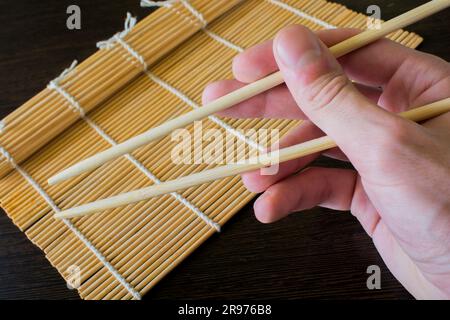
325	94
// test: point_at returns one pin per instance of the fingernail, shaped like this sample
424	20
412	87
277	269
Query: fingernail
296	49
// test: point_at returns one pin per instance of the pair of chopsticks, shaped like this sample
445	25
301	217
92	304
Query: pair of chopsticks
282	155
303	149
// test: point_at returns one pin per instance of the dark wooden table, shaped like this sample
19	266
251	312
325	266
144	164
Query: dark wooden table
315	254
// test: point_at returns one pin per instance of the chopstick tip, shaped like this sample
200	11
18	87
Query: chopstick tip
66	214
59	215
57	178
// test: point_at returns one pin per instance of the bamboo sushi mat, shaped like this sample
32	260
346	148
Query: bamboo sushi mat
151	72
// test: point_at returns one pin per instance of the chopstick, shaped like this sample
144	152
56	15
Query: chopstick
244	93
282	155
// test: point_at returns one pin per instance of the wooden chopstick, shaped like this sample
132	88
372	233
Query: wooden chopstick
244	93
282	155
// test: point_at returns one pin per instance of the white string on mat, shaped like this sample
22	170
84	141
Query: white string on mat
195	13
55	85
2	126
302	14
169	4
5	154
133	160
130	22
222	40
166	4
214	119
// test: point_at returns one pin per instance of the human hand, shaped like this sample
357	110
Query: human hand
400	190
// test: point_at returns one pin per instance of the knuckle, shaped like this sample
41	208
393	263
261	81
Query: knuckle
327	89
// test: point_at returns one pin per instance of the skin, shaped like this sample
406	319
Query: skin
399	190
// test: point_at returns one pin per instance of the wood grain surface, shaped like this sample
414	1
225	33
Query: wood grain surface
319	253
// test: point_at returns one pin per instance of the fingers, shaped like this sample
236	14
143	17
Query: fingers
331	188
257	182
375	64
325	94
420	80
255	63
338	189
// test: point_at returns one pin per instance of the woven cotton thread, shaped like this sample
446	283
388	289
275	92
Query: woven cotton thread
222	40
55	85
130	22
199	16
195	13
169	4
197	20
5	154
302	14
166	4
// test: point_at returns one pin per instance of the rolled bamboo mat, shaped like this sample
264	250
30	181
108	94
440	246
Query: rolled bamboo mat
93	81
122	253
